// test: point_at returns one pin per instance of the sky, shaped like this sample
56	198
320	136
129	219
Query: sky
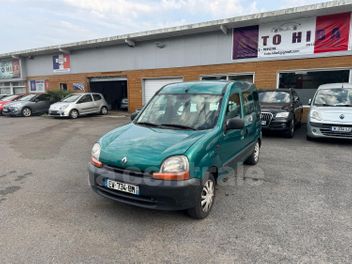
37	23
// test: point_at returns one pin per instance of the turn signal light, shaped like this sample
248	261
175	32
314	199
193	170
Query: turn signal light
96	163
182	176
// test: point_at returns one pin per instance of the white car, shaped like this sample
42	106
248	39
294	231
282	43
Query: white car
79	104
330	113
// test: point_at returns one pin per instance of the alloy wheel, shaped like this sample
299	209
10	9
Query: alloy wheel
207	196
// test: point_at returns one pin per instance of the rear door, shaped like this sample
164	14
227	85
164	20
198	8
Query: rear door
42	104
86	105
98	102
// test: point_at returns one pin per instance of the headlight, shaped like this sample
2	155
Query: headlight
174	168
282	115
315	115
96	151
63	107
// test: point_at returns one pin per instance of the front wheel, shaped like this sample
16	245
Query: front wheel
26	112
205	200
74	114
253	159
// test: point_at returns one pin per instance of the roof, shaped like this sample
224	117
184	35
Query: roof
211	26
335	85
201	87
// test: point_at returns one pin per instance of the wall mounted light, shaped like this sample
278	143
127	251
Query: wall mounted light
130	43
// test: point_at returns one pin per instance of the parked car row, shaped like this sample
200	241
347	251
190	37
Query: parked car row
72	106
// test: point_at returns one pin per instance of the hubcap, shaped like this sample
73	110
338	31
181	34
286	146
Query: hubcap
207	196
26	112
104	111
74	114
256	152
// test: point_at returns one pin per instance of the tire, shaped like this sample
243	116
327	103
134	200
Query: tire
26	112
291	131
104	110
205	199
253	159
74	114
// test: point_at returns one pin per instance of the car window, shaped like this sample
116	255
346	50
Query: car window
97	97
85	99
233	106
248	103
43	97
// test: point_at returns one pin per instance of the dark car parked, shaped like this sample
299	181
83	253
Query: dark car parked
282	111
32	104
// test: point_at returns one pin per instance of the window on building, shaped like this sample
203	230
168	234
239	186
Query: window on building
63	86
306	82
229	77
12	88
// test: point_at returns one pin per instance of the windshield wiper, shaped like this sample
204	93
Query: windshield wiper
178	126
147	124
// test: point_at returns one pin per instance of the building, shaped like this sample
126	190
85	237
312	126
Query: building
300	47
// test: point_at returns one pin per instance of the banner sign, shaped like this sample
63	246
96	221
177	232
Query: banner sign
38	86
78	86
305	36
62	63
10	69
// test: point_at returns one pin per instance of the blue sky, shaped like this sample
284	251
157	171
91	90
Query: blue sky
36	23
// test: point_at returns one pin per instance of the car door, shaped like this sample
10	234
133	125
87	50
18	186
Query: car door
250	116
232	141
42	103
98	101
297	107
85	105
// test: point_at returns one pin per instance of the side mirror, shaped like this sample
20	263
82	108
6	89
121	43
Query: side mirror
234	123
310	101
134	115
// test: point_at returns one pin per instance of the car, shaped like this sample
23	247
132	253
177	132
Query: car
177	148
4	95
79	104
330	113
9	99
282	111
32	104
124	104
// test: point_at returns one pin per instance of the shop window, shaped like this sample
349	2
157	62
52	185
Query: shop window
63	86
241	77
306	83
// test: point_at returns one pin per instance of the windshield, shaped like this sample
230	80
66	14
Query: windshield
334	97
182	111
27	97
71	98
9	98
274	97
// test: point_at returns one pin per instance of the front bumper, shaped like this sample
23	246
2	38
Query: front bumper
322	130
277	125
153	194
12	112
58	113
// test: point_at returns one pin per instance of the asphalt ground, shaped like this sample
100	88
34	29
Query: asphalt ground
294	207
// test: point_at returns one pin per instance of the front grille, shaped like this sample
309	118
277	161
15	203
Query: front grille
326	130
267	117
125	172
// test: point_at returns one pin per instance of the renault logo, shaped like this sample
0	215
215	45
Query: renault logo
342	116
124	160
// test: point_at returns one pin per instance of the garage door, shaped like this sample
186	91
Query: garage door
151	86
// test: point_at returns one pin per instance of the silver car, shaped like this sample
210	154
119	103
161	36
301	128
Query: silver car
331	112
79	104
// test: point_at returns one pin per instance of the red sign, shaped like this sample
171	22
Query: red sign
332	33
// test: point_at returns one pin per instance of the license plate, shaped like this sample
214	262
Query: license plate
263	123
341	129
122	187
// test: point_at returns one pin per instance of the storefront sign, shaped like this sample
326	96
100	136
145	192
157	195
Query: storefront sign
10	69
38	86
62	63
298	37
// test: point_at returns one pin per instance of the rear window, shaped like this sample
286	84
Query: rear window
96	97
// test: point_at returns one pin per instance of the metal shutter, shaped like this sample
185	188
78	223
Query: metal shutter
151	86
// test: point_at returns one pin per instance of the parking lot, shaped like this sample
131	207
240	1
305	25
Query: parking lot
295	207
